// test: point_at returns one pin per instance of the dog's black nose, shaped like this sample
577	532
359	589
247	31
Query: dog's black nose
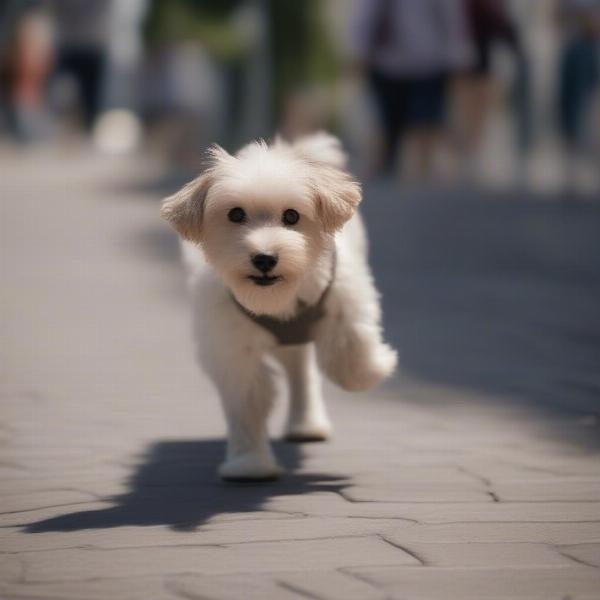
264	262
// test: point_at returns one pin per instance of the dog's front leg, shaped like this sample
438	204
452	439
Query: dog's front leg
307	417
232	350
247	397
350	347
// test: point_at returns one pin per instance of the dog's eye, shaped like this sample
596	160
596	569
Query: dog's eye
236	215
290	216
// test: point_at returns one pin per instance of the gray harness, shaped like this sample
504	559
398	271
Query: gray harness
301	328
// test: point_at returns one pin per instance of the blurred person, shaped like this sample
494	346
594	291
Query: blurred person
118	128
83	36
303	65
408	50
26	59
197	53
490	24
124	52
579	77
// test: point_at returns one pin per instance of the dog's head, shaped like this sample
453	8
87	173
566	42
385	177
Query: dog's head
265	216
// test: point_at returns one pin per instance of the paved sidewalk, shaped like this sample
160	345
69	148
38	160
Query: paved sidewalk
478	486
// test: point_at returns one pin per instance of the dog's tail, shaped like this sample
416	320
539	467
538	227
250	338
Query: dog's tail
322	147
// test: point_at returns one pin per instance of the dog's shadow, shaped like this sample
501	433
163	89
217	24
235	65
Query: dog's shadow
175	485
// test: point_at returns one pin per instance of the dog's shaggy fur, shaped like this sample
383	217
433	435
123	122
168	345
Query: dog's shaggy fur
308	177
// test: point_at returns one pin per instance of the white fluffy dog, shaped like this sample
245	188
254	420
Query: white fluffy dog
284	275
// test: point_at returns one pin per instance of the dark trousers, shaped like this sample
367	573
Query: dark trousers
86	66
405	103
579	76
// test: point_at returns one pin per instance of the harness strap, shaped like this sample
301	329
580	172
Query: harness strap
301	328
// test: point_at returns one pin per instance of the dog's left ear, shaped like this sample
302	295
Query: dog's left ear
185	208
337	194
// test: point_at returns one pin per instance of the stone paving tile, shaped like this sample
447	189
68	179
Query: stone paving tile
15	519
452	583
332	504
11	568
557	490
33	501
131	588
86	563
416	492
488	554
536	533
218	532
254	586
419	474
501	468
332	585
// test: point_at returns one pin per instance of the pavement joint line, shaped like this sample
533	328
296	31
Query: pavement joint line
94	548
554	473
358	576
27	510
485	522
575	559
365	488
370	518
361	536
40	582
297	590
46	490
486	482
225	545
403	549
171	586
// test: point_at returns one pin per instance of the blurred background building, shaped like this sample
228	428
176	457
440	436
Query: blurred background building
444	92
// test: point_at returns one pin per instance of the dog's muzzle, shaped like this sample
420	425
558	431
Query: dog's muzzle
264	263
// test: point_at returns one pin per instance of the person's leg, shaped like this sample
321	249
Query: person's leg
474	93
90	71
576	85
387	93
569	94
426	110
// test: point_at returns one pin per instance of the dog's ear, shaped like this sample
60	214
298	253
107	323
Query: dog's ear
337	196
185	208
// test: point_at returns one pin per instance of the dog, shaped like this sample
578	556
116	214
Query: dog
276	254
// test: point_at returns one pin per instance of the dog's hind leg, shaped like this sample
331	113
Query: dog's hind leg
307	417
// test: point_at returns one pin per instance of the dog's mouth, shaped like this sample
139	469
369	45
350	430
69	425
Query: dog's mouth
264	280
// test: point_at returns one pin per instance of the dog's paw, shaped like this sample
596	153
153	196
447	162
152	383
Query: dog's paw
308	431
383	363
376	366
250	467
